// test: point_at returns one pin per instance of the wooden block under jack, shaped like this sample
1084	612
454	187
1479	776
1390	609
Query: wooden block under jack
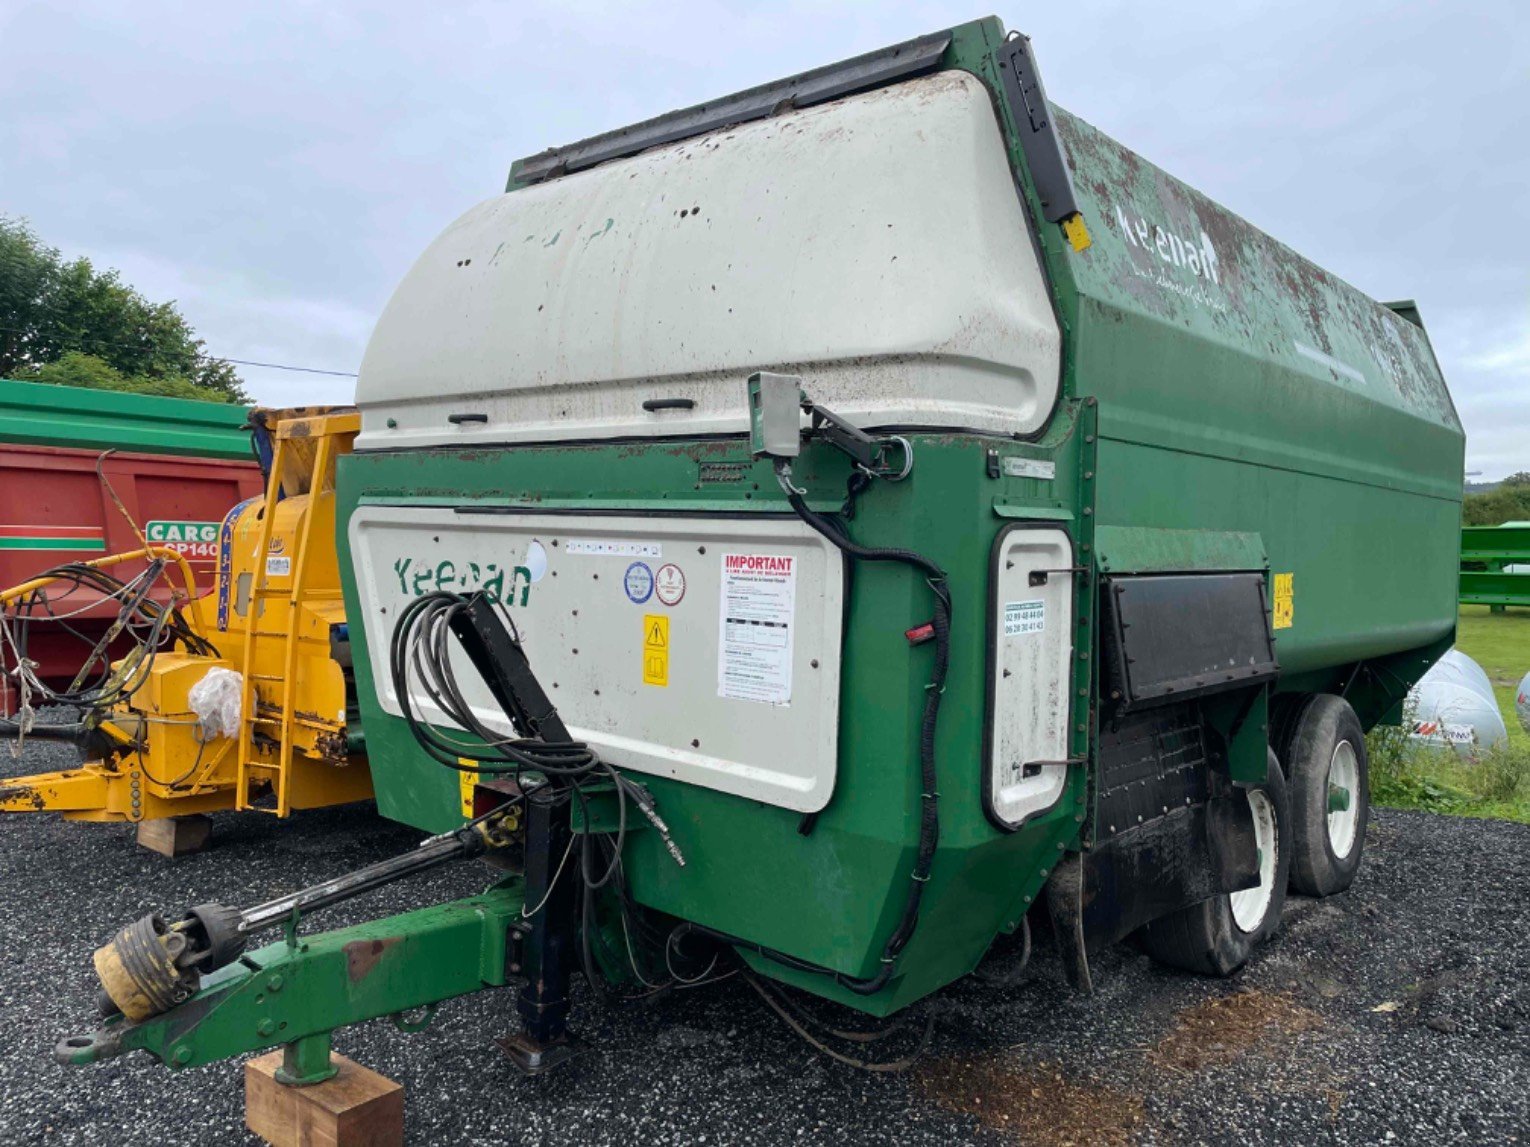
357	1106
175	835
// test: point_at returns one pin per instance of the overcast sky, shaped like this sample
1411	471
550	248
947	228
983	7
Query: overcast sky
276	167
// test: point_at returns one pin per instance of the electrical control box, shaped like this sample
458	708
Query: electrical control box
775	415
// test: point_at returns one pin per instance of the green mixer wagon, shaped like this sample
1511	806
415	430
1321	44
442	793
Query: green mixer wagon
833	529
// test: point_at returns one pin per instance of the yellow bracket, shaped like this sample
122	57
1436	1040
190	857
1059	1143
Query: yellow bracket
94	792
111	730
1078	234
73	790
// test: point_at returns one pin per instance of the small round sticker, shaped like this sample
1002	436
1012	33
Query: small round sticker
669	584
639	582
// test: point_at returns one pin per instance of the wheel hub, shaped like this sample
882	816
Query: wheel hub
1343	799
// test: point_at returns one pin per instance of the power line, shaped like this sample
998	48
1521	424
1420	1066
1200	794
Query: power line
211	357
279	366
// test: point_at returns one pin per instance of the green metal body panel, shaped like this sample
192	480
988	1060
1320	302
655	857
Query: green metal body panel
1485	552
309	985
1270	398
37	414
1268	417
1144	549
1218	413
847	879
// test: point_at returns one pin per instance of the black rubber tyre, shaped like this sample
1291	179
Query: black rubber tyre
1206	938
1327	747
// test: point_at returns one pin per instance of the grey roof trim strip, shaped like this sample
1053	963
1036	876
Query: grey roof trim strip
820	85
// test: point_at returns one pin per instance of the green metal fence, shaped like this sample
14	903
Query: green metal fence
1495	565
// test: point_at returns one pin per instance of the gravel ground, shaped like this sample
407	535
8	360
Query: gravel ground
1397	1012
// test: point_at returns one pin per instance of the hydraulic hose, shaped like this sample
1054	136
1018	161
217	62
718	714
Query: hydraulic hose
929	819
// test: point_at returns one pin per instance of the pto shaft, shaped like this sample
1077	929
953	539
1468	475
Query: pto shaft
150	967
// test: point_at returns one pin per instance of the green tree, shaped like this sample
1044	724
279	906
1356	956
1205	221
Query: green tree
75	368
1510	502
50	308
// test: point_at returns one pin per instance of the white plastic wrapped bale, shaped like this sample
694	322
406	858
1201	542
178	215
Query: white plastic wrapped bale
1449	714
1458	667
1522	702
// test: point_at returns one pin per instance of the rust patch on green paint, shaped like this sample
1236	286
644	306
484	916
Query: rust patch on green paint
362	957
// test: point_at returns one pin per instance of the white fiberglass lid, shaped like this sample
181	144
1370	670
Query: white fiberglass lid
875	245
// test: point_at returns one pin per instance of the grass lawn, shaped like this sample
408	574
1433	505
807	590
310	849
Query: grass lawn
1405	775
1500	643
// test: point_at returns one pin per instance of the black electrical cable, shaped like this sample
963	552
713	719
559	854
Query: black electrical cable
419	658
178	781
152	625
774	999
875	1035
419	655
1009	979
586	930
96	651
420	641
929	821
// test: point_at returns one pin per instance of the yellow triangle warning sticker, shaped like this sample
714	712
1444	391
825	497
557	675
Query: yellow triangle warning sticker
656	631
655	649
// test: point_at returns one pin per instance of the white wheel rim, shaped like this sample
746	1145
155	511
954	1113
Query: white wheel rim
1250	905
1343	788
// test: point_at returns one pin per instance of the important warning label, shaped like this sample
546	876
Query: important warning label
758	614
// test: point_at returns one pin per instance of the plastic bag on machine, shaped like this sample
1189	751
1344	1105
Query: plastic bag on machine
216	700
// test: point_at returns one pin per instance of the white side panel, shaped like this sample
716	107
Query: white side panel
757	719
1033	643
875	245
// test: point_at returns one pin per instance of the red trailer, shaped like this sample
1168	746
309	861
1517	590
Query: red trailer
177	467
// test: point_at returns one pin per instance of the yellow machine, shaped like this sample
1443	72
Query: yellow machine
271	634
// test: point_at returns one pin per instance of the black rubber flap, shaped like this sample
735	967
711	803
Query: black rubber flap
1169	638
862	73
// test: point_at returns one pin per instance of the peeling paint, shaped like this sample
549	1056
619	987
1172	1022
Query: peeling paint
1240	288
